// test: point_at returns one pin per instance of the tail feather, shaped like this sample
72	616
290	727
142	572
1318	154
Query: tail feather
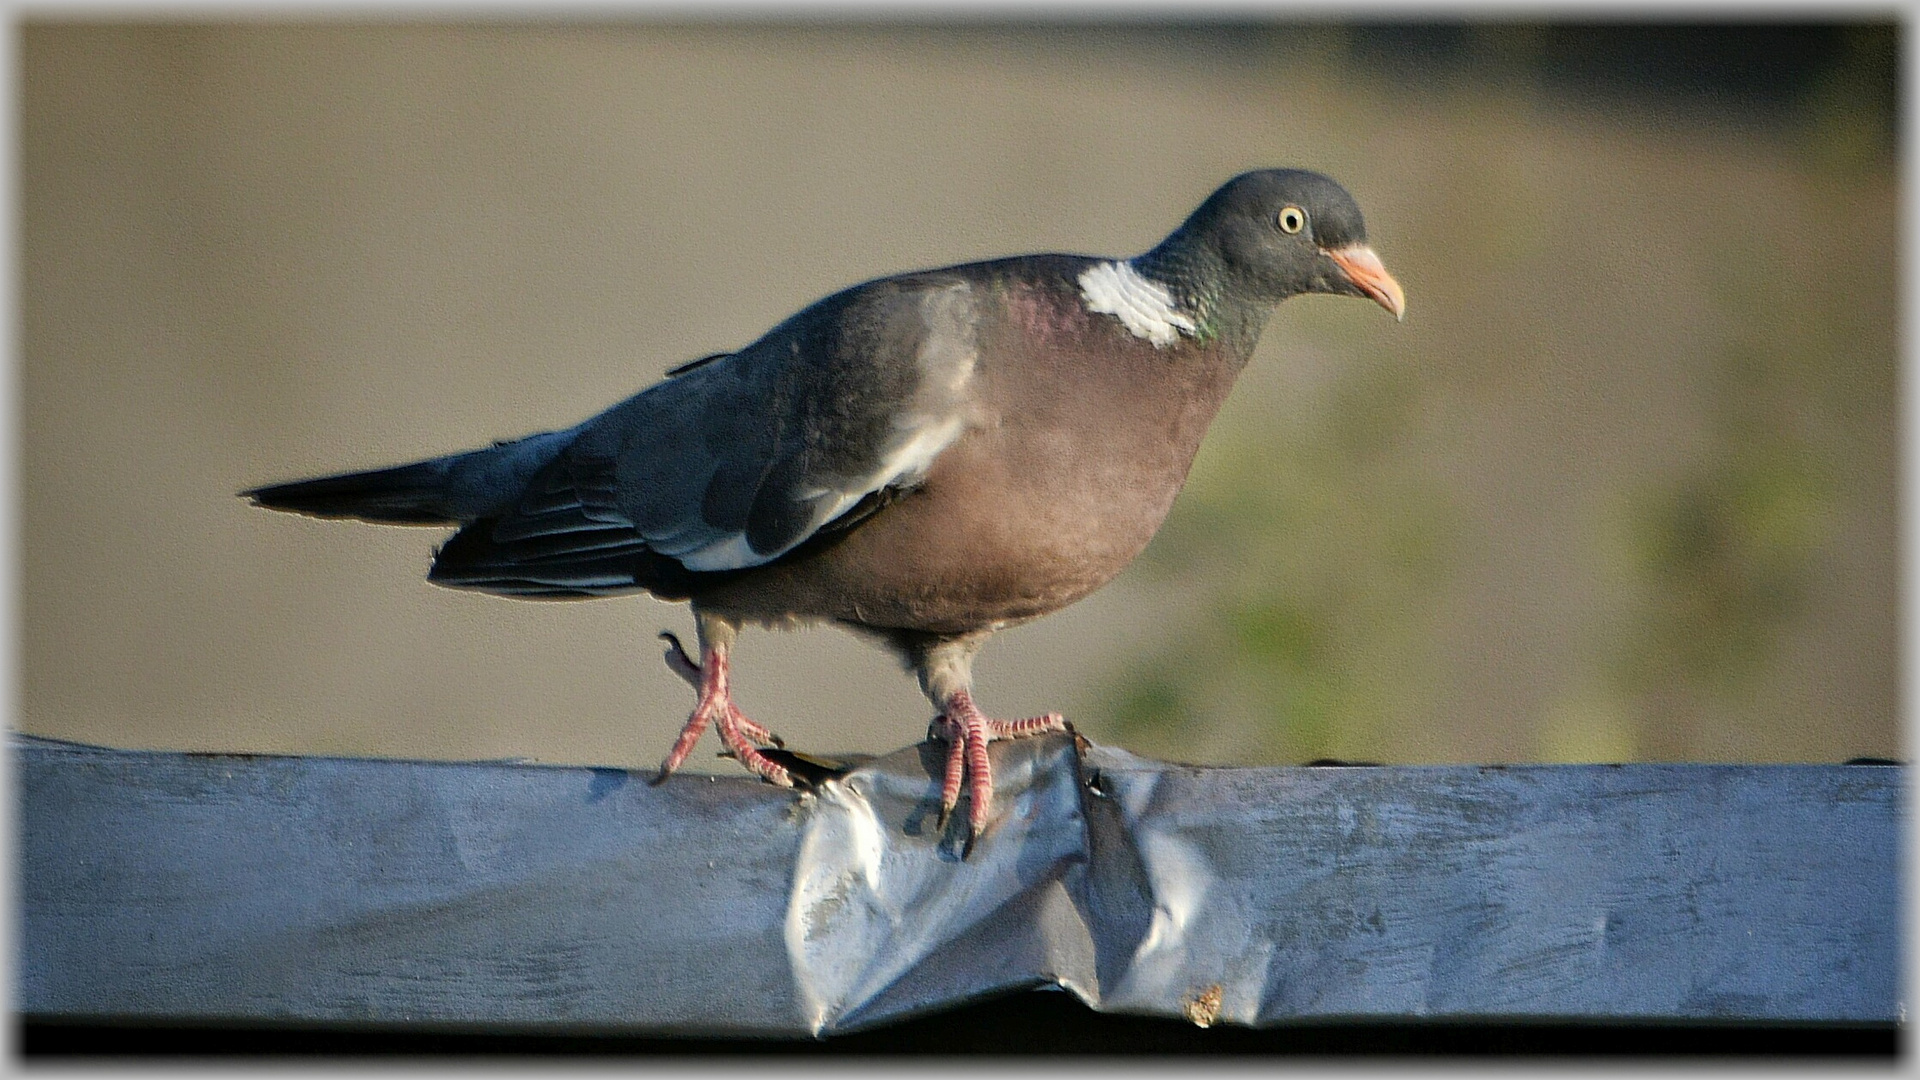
413	494
450	490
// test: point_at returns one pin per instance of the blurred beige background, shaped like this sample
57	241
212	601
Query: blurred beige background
1621	486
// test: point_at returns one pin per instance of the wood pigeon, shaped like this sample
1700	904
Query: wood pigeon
924	459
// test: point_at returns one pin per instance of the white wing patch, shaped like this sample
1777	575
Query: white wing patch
730	552
1141	304
906	464
929	423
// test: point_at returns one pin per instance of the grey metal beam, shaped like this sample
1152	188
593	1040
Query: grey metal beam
194	888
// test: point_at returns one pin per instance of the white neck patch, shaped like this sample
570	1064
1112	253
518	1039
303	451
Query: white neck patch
1143	305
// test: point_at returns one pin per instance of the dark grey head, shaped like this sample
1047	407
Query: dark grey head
1274	233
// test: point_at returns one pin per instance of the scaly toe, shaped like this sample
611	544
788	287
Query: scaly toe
950	783
1027	729
748	755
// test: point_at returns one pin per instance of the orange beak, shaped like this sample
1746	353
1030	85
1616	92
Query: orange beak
1363	268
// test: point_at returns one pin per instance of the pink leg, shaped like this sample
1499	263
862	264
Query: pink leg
682	665
969	731
715	706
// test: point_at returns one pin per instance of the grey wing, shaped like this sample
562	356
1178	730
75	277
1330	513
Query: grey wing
736	461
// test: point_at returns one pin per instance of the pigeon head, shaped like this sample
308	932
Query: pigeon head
1271	234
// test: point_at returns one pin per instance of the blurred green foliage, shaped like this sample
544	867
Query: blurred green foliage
1848	116
1720	560
1314	546
1724	557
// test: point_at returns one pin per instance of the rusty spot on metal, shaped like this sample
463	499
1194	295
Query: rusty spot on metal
1204	1009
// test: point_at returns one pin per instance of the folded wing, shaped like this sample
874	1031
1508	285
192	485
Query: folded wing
734	462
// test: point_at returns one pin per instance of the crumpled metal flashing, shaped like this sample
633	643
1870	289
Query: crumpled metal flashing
501	896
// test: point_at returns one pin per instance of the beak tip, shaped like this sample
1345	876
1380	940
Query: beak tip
1387	294
1364	270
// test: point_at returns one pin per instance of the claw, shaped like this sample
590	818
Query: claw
968	732
956	767
807	771
679	662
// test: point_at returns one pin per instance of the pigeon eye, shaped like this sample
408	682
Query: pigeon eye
1292	220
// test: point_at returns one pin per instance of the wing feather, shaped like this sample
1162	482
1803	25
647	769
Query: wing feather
737	460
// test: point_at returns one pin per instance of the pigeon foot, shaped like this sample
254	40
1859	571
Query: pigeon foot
968	731
740	735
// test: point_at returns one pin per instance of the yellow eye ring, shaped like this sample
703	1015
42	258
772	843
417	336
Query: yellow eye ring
1291	220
